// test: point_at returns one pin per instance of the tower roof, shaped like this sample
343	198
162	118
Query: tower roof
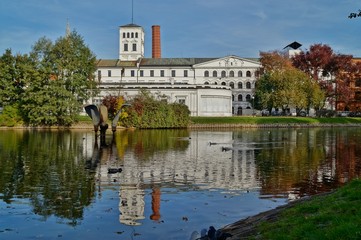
293	45
131	25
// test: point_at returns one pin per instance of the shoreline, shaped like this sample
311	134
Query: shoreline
80	126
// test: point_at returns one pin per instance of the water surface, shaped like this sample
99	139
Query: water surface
56	184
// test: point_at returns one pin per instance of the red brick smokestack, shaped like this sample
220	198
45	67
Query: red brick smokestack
156	49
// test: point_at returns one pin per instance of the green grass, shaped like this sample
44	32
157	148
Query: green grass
274	120
333	216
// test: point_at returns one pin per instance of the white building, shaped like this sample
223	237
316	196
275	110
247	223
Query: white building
208	86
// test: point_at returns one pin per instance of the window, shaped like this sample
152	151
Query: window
215	83
132	35
240	98
124	35
206	73
136	35
185	73
206	83
214	73
134	47
125	47
223	74
182	101
239	112
248	97
223	83
128	35
231	84
248	74
141	73
173	73
240	74
152	73
132	73
109	73
248	85
162	73
231	74
232	98
240	85
99	75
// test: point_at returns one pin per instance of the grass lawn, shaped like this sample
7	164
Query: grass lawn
333	216
274	120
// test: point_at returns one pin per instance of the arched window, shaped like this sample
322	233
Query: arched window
240	85
248	85
215	83
248	97
240	74
232	98
223	74
136	35
132	35
231	74
206	73
128	35
223	83
248	74
231	84
214	73
206	83
240	98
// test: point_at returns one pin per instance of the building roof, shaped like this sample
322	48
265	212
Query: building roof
294	45
158	62
130	25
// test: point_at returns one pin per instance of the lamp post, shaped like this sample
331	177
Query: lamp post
253	106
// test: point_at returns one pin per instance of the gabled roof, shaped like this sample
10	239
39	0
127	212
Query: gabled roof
293	45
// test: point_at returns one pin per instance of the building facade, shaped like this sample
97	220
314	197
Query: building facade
208	86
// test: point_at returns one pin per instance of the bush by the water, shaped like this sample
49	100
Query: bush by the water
147	112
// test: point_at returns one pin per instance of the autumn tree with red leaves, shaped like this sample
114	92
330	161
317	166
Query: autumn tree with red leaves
333	72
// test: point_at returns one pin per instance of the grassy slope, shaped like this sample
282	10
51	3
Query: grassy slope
333	216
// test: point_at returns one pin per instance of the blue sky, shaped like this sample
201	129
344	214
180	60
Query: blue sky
189	28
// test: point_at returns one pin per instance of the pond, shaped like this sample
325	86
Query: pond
162	184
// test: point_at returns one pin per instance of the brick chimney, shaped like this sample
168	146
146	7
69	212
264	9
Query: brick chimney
156	49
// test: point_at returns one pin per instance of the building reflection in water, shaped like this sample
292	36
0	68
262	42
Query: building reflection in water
282	163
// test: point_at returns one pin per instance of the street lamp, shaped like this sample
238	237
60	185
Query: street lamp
253	106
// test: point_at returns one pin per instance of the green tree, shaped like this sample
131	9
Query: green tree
61	76
284	86
13	77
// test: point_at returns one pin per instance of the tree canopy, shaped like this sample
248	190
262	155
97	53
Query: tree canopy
50	84
333	72
284	86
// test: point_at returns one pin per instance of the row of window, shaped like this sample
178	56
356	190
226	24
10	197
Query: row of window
151	73
231	84
130	35
173	73
240	98
126	47
231	74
